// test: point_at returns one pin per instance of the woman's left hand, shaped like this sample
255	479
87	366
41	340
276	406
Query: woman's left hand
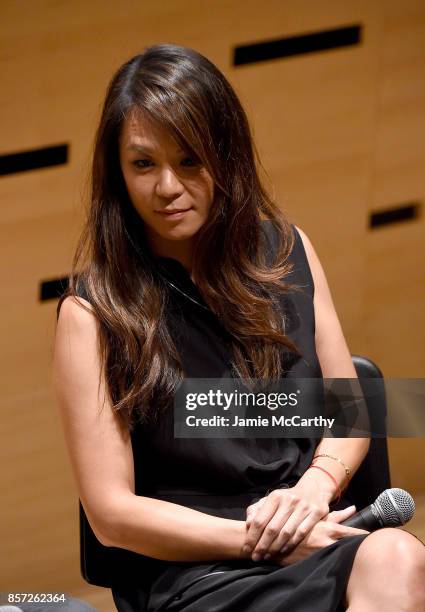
284	518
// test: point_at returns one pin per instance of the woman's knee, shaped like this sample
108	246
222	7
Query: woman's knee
392	547
389	563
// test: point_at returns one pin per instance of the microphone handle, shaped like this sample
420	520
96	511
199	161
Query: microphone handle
364	519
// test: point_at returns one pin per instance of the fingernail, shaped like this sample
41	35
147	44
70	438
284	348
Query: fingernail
246	548
267	556
256	557
283	549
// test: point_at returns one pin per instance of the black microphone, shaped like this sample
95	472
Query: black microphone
392	508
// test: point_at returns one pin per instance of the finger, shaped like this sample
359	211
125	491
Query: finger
252	509
254	506
250	515
259	521
340	515
340	531
301	532
250	512
271	532
353	531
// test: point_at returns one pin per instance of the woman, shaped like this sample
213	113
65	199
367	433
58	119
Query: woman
192	271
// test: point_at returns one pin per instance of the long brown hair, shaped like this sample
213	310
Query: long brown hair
182	91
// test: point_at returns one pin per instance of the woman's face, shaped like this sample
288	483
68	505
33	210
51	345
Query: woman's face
171	192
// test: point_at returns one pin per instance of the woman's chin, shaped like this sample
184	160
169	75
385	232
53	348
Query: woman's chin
179	232
179	236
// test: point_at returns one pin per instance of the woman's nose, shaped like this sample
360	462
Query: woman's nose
168	184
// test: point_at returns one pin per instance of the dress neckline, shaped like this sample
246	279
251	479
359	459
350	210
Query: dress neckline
178	278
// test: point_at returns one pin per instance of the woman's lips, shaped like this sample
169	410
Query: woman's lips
177	214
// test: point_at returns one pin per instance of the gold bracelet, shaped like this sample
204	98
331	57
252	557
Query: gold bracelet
347	469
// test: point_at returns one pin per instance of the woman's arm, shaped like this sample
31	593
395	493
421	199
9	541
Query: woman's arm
102	461
172	532
336	362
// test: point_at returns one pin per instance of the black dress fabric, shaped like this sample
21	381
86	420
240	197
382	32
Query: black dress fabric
224	476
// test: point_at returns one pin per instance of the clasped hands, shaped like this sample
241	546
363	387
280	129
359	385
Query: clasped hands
277	523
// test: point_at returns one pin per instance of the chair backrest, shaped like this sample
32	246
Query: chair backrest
109	566
373	476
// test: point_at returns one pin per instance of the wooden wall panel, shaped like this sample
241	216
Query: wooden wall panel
394	329
39	527
339	133
395	288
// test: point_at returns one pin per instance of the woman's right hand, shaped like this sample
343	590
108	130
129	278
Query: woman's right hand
325	532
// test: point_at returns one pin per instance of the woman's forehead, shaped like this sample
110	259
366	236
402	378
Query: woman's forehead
139	133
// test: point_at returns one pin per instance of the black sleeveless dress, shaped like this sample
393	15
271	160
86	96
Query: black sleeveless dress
223	476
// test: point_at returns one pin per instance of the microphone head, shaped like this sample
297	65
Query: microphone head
395	506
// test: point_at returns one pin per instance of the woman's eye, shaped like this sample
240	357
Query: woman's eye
187	161
140	161
192	162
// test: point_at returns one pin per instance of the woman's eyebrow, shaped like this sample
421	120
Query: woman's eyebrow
138	147
145	148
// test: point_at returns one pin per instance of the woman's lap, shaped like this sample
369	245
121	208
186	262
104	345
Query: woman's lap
316	583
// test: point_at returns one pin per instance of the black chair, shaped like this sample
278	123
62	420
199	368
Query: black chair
109	566
373	475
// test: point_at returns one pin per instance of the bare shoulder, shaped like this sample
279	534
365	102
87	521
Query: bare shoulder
76	324
77	309
301	232
321	287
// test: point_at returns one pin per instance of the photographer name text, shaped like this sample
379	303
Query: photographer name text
260	421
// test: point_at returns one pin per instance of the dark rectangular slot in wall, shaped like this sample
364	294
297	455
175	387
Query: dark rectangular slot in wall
53	289
406	212
33	159
297	45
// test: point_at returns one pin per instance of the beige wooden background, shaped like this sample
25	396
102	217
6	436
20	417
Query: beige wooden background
341	133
